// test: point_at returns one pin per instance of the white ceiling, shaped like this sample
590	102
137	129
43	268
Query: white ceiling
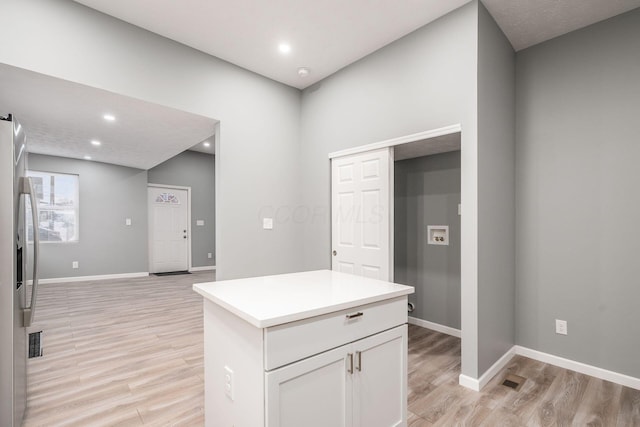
327	35
61	118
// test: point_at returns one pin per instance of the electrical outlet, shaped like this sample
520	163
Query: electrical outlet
127	221
209	255
228	382
561	327
74	264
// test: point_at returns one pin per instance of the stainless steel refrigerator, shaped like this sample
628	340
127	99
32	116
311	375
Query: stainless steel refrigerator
16	313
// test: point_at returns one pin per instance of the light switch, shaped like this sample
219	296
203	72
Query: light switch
267	223
127	221
200	222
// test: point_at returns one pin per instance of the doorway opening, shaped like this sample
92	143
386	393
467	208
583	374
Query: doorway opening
423	220
427	230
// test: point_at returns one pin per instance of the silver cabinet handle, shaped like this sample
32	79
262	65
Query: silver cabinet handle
354	315
359	361
27	188
350	363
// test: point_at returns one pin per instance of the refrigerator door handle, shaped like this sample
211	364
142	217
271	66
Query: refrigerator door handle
26	187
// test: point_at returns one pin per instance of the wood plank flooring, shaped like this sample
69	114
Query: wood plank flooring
550	396
119	352
130	353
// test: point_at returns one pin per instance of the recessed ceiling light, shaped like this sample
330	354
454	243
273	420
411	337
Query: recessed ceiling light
206	144
109	117
87	157
96	143
284	48
303	71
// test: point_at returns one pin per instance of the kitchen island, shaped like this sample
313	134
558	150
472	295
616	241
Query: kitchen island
318	348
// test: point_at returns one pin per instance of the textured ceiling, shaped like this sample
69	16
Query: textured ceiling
61	118
529	22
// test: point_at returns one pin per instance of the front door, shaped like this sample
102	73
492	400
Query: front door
168	230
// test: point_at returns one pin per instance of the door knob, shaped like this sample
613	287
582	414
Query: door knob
335	253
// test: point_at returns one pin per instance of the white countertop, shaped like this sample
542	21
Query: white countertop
273	300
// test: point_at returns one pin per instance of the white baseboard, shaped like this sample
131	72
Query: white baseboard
435	326
88	278
478	384
583	368
572	365
204	268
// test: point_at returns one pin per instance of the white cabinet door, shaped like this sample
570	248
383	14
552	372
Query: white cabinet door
362	213
380	379
315	392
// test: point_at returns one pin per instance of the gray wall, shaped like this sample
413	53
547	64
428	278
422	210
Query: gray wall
578	238
496	192
195	170
67	40
427	192
108	195
423	81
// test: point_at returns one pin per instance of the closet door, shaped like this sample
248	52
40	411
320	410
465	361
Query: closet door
362	213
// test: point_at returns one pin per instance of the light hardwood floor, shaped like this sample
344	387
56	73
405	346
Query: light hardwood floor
129	353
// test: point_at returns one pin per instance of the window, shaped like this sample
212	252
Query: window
57	196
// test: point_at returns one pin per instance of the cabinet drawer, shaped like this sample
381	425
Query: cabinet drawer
284	344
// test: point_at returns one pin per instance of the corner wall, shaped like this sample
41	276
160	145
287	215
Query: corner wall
577	155
108	195
496	192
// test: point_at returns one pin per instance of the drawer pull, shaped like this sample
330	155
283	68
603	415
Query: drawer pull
350	367
359	361
353	316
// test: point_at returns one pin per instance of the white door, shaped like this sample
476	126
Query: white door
380	375
168	230
362	213
315	392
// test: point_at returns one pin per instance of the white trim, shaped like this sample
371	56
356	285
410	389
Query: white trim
398	141
203	268
468	382
478	384
561	362
189	237
583	368
176	187
89	278
435	327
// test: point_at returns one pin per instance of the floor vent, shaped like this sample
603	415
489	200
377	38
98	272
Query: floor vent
35	344
513	381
